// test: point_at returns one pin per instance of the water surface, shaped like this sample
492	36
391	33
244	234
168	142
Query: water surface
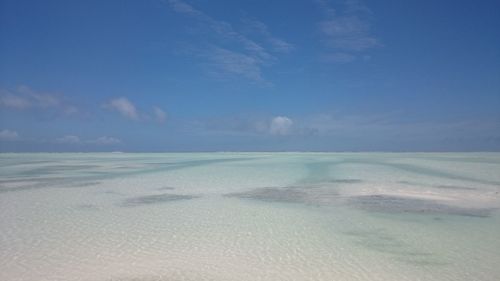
250	216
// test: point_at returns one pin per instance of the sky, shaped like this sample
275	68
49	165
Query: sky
249	75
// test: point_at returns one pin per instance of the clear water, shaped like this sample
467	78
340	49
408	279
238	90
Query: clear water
250	216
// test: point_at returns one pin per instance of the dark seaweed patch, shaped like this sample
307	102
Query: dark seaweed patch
40	183
319	196
85	184
395	204
310	195
112	192
454	187
88	207
34	184
444	186
166	188
406	182
421	261
345	181
52	169
273	194
381	241
150	278
304	187
154	199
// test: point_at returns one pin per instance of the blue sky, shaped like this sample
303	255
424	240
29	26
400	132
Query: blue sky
250	75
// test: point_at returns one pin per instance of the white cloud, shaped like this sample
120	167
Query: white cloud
105	141
124	107
8	135
160	115
24	98
280	125
70	139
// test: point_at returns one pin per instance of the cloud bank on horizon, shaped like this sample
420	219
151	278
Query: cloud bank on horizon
188	75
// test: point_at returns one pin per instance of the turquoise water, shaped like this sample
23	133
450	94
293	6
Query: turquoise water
250	216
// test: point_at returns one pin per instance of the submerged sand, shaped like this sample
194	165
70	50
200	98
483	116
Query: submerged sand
250	216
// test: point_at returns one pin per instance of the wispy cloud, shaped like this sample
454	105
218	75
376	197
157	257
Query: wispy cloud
123	106
129	110
9	100
8	135
68	139
105	140
339	57
160	115
222	28
227	62
75	140
346	31
347	131
246	60
244	126
25	98
363	131
277	44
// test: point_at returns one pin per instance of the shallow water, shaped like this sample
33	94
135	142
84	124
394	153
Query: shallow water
250	216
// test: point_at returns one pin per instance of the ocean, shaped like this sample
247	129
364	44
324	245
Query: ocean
249	216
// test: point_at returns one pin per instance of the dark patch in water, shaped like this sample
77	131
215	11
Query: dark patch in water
433	172
406	182
380	241
421	170
273	194
301	187
395	204
53	169
359	233
322	196
155	199
33	183
345	181
444	186
421	261
310	195
85	184
454	187
41	183
166	188
89	207
385	246
111	192
151	278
